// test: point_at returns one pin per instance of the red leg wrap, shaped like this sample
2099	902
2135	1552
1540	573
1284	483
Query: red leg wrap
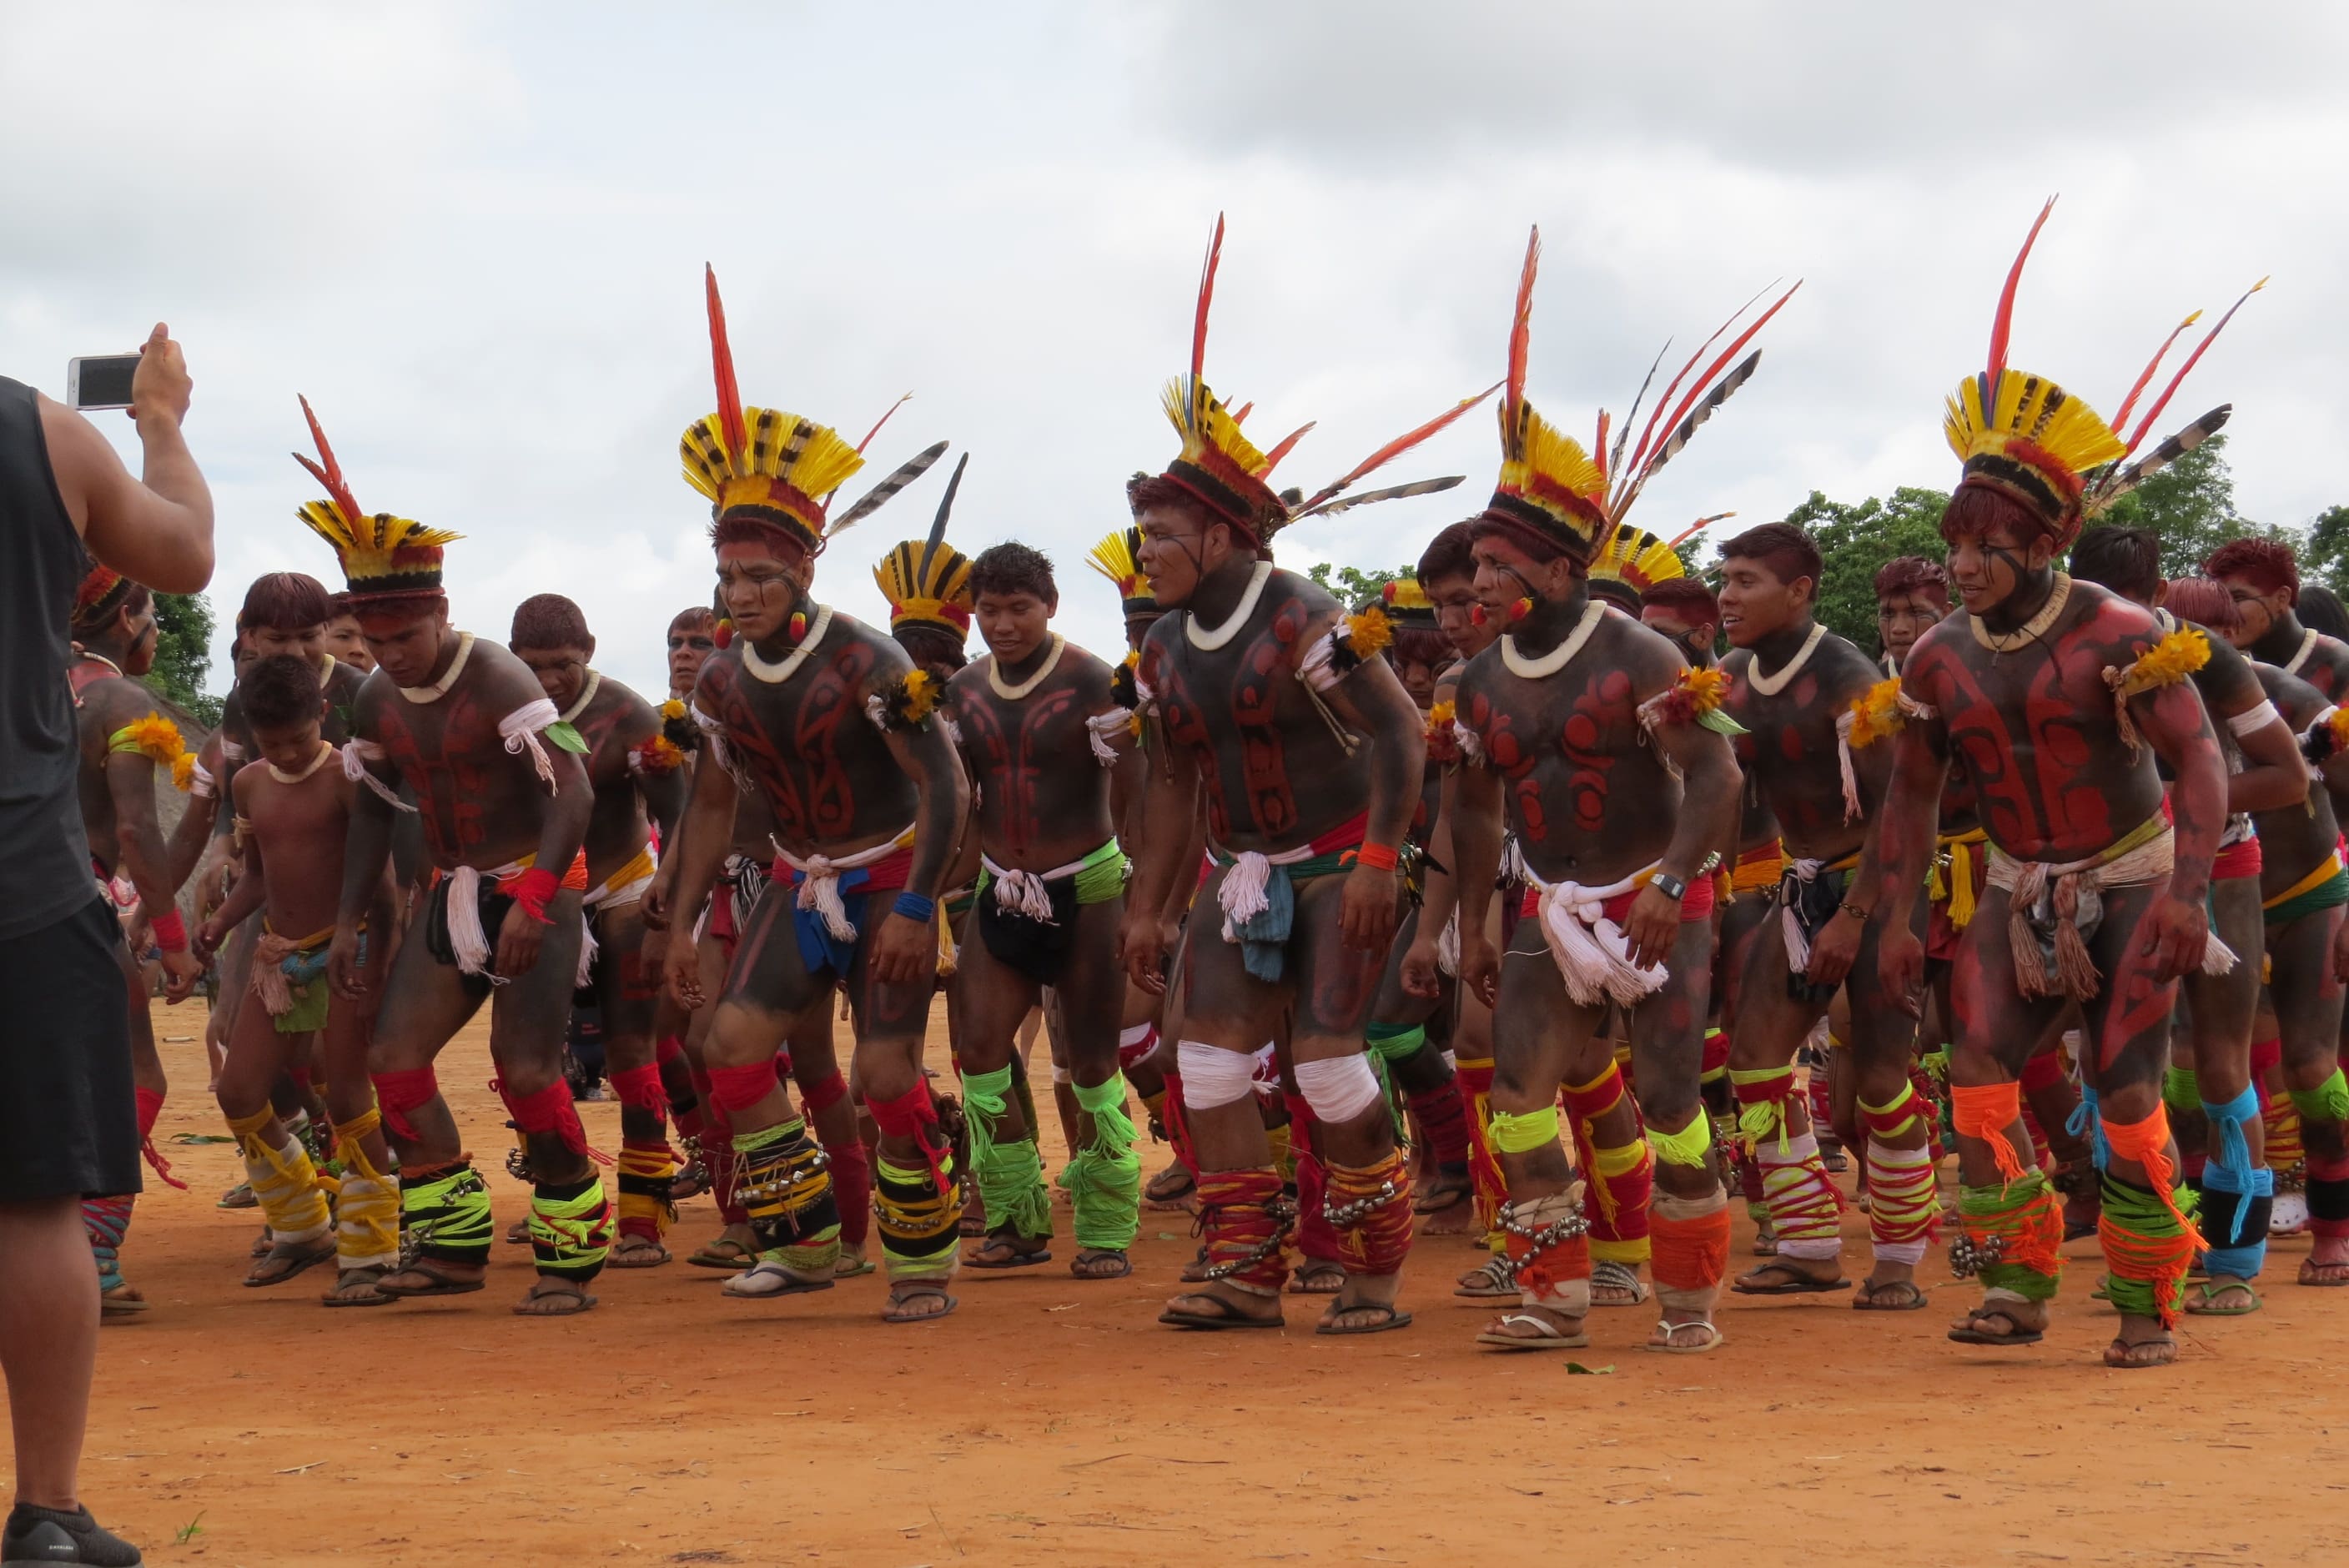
548	1110
1445	1120
640	1086
915	1115
397	1094
1315	1238
1243	1217
1376	1239
852	1188
150	1105
825	1095
740	1089
1690	1255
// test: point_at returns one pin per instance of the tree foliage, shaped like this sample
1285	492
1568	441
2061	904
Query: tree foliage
1857	540
1352	586
2191	505
183	639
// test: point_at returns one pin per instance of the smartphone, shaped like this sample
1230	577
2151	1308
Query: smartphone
100	380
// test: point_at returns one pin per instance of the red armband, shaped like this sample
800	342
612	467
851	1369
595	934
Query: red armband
171	932
1377	857
533	890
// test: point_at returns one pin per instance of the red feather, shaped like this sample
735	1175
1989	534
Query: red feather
2120	417
1206	296
1702	523
2199	349
2003	321
1656	414
338	491
881	421
1240	414
1521	331
1599	447
721	364
1397	447
1697	388
1272	458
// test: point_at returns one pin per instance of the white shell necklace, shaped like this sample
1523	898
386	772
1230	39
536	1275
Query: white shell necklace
439	689
2307	646
1558	657
777	673
1012	692
325	750
1771	685
586	696
1208	642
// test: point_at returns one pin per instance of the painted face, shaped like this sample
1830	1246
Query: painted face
138	657
1754	602
1695	642
1455	598
290	748
407	643
1988	567
305	644
2258	608
1504	574
348	647
1902	618
1174	552
690	644
1014	625
1419	679
762	586
561	672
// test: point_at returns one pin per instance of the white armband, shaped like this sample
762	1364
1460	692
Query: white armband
2253	718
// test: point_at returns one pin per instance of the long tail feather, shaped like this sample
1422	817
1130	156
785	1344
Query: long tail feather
884	419
946	506
1206	296
327	470
912	468
1331	508
2002	324
721	365
1521	325
1643	463
1693	529
1399	445
1681	433
1282	448
2191	360
1240	414
1656	416
2120	414
2160	457
1623	436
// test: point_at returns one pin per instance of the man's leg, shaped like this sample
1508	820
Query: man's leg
918	1188
993	1000
2308	1015
1904	1205
1472	1041
831	1114
2238	1190
276	1165
106	1218
1398	1033
1103	1175
570	1213
628	988
1689	1228
367	1208
1774	1124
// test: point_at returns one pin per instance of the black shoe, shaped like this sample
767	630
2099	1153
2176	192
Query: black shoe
37	1537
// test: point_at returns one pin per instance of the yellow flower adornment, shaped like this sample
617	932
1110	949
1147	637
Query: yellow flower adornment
1369	633
1876	714
2171	660
674	708
183	772
917	696
153	737
660	755
1442	715
1705	687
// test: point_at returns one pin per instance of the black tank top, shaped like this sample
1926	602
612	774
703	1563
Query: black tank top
44	864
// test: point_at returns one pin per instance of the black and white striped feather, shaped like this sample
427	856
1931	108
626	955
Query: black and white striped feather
912	468
2111	488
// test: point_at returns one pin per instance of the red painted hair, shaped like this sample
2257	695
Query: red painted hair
2262	563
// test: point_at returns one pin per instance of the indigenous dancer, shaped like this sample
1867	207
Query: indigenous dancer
1044	739
2211	1096
1309	757
635	772
1614	820
2263	576
830	722
1682	609
344	639
1912	594
504	805
293	818
1813	709
2092	897
123	739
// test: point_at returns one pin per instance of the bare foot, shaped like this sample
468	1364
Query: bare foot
916	1301
1217	1303
637	1253
2327	1262
1366	1305
283	1259
551	1295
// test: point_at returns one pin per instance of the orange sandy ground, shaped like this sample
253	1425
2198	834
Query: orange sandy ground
1049	1421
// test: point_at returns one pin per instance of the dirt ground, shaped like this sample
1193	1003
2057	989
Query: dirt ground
1049	1421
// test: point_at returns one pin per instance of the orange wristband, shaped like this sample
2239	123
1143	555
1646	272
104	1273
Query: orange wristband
1377	857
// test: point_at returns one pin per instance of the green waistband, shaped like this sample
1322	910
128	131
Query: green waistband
2331	893
1100	876
1313	866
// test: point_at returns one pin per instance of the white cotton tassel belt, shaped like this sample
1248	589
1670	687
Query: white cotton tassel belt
1102	726
1844	721
1024	893
820	879
520	729
1242	897
1447	945
467	940
2065	901
1591	951
357	755
1798	942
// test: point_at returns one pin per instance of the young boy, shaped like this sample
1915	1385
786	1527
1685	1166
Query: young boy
291	814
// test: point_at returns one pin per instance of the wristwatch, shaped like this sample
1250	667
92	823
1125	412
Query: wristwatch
1672	887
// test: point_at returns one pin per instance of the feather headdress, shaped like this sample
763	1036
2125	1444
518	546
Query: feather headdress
383	556
1219	467
1555	492
1118	557
1407	604
2023	437
101	591
1637	559
927	582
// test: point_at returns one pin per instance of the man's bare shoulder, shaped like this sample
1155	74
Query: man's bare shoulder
2297	701
1318	601
1843	670
1652	660
2104	617
500	678
633	718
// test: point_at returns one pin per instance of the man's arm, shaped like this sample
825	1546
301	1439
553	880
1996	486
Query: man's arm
2174	720
1709	784
252	890
690	868
1905	831
139	837
1372	701
157	530
1170	808
1472	805
906	949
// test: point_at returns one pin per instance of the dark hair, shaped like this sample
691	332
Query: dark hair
551	621
1616	591
100	617
338	605
693	616
927	646
280	692
286	601
1913	575
2203	601
1785	550
2125	560
2267	563
1013	567
1686	597
1976	510
1538	547
1451	553
1421	645
2320	608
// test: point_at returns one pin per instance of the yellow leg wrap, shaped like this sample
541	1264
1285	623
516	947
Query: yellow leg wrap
366	1213
283	1181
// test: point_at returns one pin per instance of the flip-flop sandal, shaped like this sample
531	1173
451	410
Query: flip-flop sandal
561	1289
766	1269
1226	1315
1609	1275
1498	1282
1441	1199
951	1303
374	1298
1169	1187
239	1197
1871	1297
2124	1347
295	1263
2321	1284
1013	1259
1713	1339
121	1307
262	1245
1797	1284
443	1284
638	1257
517	1235
1765	1244
1546	1335
2201	1295
1967	1334
1096	1254
850	1267
1297	1285
738	1255
691	1180
1394	1318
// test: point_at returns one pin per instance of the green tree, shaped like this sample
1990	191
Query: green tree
1856	541
2326	557
183	639
2191	505
1351	587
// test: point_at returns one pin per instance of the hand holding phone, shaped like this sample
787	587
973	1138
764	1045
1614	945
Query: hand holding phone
155	379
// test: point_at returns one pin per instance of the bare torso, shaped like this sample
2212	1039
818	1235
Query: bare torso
1043	798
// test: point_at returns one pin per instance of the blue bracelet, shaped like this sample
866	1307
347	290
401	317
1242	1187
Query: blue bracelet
913	907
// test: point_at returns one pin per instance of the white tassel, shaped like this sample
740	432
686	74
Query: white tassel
466	938
1102	726
520	729
1798	946
1242	897
1850	774
1591	951
357	755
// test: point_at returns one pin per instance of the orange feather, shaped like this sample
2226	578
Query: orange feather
2191	360
1397	447
722	363
1206	296
338	491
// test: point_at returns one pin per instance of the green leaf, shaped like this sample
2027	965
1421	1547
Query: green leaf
565	737
1577	1370
1718	721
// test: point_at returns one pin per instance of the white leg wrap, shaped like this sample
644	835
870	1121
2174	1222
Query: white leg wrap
1339	1090
1213	1076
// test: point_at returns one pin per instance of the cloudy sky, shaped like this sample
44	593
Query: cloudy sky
473	235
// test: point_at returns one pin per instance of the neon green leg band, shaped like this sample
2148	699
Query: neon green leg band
1686	1146
569	1236
449	1215
917	1218
1103	1179
1521	1134
2328	1101
2182	1091
1010	1175
1395	1042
